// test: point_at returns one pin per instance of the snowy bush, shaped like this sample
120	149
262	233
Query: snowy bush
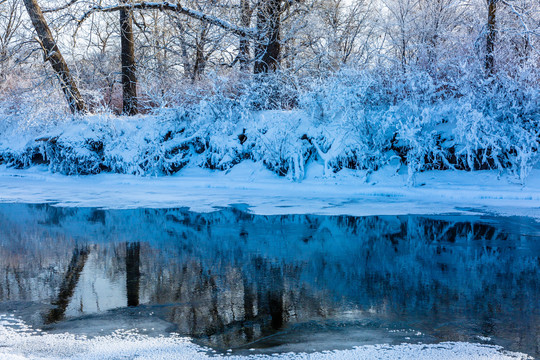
352	132
277	139
350	119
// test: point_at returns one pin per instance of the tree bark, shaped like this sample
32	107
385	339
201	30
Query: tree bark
245	20
129	76
53	55
490	37
268	51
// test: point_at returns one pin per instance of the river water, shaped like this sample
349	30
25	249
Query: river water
266	284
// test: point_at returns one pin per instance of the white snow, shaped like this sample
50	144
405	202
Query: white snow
384	192
20	341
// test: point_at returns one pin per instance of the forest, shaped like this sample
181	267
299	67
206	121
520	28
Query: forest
147	88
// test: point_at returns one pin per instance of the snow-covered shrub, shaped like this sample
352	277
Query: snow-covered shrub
350	119
352	132
277	139
223	119
496	143
272	91
523	153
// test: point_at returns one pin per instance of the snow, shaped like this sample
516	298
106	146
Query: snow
20	341
359	193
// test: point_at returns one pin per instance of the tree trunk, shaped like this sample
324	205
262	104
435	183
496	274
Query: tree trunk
267	54
245	20
129	78
183	47
490	37
200	58
53	55
198	67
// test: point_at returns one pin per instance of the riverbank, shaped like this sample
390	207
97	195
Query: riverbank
252	187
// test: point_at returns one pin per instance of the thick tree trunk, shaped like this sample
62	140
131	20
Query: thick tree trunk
53	55
267	54
129	77
490	37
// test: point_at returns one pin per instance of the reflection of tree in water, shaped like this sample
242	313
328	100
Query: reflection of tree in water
133	273
231	278
68	285
230	307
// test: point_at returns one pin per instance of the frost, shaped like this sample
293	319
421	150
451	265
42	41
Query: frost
20	342
351	120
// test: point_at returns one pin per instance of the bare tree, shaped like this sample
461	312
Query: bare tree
341	32
400	28
436	22
491	35
245	21
54	56
10	22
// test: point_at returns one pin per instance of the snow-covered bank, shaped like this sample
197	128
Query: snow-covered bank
351	120
384	192
21	342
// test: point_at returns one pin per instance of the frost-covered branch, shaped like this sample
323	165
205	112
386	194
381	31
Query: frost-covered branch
177	8
61	7
526	31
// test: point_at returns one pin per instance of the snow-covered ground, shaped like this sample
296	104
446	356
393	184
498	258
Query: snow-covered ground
260	191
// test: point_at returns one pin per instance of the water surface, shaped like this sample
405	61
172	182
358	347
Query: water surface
233	280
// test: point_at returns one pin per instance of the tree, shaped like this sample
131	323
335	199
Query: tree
267	52
129	75
245	21
341	32
490	36
54	56
437	21
10	22
400	29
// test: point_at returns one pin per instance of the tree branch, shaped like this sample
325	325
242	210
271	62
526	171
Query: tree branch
166	6
60	8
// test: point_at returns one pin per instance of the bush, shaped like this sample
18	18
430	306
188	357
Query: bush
351	119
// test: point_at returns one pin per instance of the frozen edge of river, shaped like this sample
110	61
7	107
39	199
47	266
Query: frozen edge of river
384	192
19	341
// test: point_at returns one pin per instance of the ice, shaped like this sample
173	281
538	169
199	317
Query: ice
18	342
384	192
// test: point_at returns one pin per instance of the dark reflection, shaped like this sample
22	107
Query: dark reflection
232	279
133	273
68	285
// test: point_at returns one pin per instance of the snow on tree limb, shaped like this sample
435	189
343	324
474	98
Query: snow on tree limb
526	32
166	6
71	2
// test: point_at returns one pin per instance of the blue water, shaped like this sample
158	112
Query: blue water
233	280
